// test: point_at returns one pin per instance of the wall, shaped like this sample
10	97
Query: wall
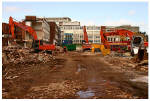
78	36
53	33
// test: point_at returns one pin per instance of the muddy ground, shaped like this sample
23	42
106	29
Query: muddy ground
74	75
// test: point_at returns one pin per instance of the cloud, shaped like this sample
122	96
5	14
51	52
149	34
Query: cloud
11	9
15	9
131	12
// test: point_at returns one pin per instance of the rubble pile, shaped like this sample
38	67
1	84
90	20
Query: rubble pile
63	89
20	55
143	66
126	63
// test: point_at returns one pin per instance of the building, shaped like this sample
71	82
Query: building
116	38
5	34
78	35
40	26
71	32
46	30
129	27
58	20
54	33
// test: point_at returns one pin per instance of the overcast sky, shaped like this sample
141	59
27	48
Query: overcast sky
88	13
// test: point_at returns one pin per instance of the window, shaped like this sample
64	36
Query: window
90	36
111	39
114	39
81	36
108	39
90	40
97	36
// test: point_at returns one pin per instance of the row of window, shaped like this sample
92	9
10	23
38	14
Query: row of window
88	36
80	27
95	41
113	39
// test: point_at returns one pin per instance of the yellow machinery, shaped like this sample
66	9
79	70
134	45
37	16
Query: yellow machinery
101	47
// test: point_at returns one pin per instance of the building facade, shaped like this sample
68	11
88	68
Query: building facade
116	38
46	30
72	32
78	34
129	27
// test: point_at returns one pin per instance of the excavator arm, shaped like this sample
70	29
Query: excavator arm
103	38
24	27
120	32
37	43
85	35
86	45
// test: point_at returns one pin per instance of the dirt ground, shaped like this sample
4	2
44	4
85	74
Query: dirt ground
75	75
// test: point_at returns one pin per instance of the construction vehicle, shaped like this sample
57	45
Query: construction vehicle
132	42
86	45
119	45
104	47
38	45
138	43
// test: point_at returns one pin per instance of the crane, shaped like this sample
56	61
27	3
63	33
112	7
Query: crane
86	45
37	44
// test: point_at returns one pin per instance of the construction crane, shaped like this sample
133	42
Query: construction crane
37	44
86	45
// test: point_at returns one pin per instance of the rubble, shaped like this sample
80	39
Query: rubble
128	62
20	55
17	56
63	89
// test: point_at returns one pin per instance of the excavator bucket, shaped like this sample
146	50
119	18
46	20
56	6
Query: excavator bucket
105	51
102	48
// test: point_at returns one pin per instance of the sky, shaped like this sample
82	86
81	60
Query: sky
88	13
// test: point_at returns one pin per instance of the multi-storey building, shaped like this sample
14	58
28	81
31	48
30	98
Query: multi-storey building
46	30
78	35
129	27
72	31
117	38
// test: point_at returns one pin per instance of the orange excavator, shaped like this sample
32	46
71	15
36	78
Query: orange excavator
117	32
37	44
86	45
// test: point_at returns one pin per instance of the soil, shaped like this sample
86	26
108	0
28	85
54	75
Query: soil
75	75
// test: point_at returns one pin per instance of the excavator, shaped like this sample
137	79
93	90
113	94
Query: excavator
86	45
119	46
107	46
104	47
119	32
38	45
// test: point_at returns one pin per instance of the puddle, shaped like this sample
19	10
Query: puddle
86	94
141	79
92	80
80	68
58	66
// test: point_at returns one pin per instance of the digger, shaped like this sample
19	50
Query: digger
104	47
38	45
86	46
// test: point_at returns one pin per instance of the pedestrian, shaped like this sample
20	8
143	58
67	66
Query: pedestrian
65	50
